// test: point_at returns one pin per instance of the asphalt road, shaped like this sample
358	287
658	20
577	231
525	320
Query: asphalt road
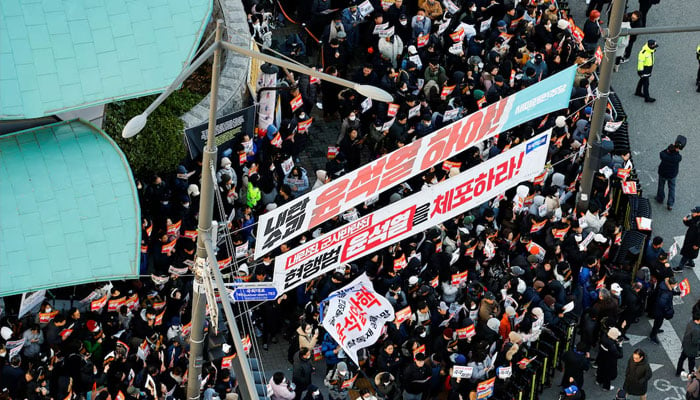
652	127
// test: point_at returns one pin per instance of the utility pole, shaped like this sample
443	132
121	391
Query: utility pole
592	160
206	214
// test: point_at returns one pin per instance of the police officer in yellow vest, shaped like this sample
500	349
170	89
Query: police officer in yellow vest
645	63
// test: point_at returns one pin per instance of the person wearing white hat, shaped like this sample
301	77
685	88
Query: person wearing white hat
226	169
610	350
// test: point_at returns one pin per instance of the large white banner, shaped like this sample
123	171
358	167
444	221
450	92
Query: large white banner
354	315
412	214
298	216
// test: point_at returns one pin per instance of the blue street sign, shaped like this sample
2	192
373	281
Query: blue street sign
254	294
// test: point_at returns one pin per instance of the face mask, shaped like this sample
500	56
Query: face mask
422	334
472	9
308	330
186	205
337	24
316	393
302	116
419	17
48	309
266	263
403	22
351	118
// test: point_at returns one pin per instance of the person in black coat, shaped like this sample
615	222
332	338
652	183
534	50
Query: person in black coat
668	171
663	308
691	243
575	363
609	352
637	374
301	375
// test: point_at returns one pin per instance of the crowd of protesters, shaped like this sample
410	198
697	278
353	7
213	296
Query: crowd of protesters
552	264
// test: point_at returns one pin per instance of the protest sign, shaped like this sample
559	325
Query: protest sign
354	316
415	213
300	215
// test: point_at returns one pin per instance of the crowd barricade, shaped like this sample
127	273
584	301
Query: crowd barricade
529	383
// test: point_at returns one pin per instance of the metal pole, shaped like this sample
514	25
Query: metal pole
590	164
376	93
246	381
206	211
659	29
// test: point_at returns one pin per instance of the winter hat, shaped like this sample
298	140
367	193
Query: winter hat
516	270
225	162
93	326
558	179
563	24
537	312
443	307
5	333
560	121
447	332
522	190
412	49
342	367
614	333
413	280
193	190
460	360
616	289
515	337
510	311
493	324
571	390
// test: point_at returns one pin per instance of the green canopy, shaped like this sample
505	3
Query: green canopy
59	55
69	211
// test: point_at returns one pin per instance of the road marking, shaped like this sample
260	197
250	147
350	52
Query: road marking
669	341
663	385
654	367
635	339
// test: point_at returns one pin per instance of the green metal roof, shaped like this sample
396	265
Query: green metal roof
62	55
69	209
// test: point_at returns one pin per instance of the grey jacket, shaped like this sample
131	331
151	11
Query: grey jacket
691	339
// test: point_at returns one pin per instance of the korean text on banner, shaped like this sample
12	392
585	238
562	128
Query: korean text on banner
412	214
294	218
354	315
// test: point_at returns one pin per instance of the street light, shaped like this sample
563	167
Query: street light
204	248
137	123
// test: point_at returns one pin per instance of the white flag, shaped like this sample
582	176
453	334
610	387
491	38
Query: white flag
355	315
